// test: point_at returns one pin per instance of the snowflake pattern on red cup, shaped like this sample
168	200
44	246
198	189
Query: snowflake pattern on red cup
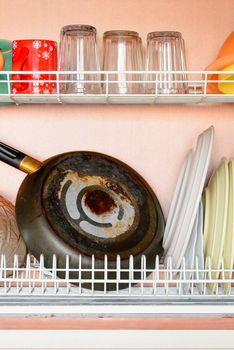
34	55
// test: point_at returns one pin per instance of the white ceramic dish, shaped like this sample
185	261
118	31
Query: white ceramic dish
192	197
177	200
190	254
191	169
190	250
199	262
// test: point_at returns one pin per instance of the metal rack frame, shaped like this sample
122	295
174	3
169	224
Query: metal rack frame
34	288
197	88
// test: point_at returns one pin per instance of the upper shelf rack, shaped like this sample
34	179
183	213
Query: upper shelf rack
144	90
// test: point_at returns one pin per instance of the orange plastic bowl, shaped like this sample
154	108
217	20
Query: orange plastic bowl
1	61
224	58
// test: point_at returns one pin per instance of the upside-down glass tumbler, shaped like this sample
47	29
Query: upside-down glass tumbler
166	54
79	53
123	53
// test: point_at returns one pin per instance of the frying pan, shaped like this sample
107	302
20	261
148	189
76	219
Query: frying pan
83	204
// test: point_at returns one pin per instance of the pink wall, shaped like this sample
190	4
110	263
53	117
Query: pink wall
107	323
152	139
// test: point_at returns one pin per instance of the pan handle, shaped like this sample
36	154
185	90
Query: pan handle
18	159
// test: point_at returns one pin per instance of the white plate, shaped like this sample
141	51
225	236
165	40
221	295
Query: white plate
193	159
196	180
190	250
192	170
194	197
177	200
199	262
189	255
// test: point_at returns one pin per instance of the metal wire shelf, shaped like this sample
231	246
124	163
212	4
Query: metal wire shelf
34	289
162	281
146	92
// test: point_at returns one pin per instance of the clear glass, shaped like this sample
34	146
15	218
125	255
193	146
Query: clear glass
123	52
166	52
78	52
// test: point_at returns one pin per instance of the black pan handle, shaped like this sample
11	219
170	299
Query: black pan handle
18	159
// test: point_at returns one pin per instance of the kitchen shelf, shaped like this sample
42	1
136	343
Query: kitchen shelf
196	87
35	289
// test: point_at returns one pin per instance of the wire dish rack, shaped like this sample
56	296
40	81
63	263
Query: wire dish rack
98	87
33	288
162	281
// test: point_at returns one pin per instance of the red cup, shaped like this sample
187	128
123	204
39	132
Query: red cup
34	55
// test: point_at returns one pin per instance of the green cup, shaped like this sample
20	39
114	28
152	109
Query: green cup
6	50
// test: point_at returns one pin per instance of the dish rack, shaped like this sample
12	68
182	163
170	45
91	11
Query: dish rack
196	80
33	288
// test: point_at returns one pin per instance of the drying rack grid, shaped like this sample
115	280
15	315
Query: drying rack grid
162	281
161	291
102	86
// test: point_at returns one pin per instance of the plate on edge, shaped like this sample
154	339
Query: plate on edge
210	214
218	234
228	249
189	256
199	261
192	197
177	200
194	162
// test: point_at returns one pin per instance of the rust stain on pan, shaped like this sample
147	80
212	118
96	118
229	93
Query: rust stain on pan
99	202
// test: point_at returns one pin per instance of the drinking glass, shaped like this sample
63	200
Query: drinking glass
122	53
79	53
166	53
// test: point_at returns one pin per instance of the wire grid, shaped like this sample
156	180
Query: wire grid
196	82
161	281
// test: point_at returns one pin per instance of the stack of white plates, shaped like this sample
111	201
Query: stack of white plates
219	224
183	236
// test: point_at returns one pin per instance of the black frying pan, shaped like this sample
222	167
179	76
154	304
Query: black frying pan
86	203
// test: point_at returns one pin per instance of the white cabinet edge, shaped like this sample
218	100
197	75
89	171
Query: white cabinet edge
47	339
